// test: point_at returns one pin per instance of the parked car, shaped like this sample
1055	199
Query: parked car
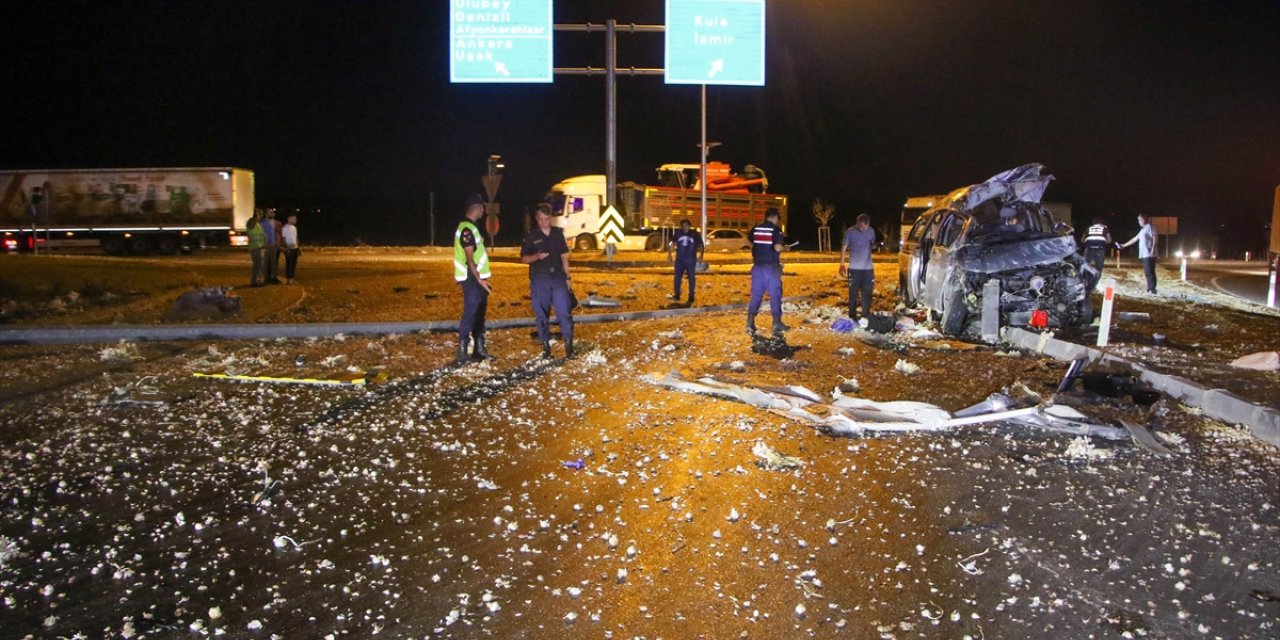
996	230
728	240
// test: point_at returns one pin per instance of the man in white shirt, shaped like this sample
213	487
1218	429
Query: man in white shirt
289	240
1146	240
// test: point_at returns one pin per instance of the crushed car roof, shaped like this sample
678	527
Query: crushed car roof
1022	184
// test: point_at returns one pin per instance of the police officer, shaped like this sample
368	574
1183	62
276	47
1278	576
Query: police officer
767	242
689	250
547	254
1096	240
471	270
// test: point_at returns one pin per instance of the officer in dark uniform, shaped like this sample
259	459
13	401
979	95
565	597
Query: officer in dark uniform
689	250
547	254
767	242
1096	240
471	270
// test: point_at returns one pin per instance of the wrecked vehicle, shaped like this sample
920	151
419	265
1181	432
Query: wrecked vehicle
996	232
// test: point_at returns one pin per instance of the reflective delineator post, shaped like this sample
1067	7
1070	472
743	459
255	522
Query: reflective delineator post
1184	268
1271	287
1108	301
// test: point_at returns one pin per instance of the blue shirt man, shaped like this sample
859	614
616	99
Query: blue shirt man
767	242
689	249
547	254
859	240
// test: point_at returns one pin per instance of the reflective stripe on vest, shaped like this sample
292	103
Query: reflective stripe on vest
460	256
1097	235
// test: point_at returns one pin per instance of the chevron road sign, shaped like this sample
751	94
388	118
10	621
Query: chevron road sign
611	226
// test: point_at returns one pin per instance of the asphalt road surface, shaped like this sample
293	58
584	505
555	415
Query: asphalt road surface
1245	280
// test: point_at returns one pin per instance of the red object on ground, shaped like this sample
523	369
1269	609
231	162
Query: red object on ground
1039	319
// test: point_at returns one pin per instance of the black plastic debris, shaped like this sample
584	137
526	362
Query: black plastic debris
1119	385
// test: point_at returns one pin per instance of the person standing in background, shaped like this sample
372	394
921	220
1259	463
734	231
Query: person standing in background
273	257
855	263
1096	240
1146	240
269	250
689	250
289	241
257	247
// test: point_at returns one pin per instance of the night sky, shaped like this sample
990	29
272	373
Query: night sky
1164	107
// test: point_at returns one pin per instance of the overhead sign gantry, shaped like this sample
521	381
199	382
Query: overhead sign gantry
708	42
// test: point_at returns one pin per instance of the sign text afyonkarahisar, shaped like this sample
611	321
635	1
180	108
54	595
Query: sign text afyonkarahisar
500	40
719	42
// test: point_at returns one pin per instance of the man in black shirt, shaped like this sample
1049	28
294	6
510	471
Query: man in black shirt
547	254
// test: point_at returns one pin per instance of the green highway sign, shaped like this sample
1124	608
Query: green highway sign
500	40
715	42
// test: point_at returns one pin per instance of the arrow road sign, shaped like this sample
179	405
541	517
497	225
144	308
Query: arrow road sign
611	226
500	40
715	42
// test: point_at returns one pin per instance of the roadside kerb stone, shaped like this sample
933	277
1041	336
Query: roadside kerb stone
91	334
1222	405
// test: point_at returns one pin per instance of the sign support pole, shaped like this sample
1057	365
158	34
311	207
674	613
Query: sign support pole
611	111
611	93
703	178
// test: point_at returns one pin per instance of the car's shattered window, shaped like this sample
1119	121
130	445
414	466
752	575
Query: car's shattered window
994	218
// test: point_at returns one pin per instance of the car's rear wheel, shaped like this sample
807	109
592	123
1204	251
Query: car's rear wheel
653	242
584	242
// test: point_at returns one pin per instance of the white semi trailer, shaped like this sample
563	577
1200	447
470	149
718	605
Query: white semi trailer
138	211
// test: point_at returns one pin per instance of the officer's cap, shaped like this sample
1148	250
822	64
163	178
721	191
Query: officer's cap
474	200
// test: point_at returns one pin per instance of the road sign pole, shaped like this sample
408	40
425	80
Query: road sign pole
703	178
611	107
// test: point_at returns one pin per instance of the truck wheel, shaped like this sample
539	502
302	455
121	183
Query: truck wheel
113	245
653	242
140	245
584	242
167	245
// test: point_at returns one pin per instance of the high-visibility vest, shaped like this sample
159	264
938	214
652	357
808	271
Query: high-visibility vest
481	256
1096	236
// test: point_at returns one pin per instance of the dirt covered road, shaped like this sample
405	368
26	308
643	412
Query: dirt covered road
142	501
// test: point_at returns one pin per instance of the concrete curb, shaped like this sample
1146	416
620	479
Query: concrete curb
1219	404
88	334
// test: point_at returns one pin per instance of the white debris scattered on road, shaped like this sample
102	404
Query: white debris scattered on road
767	458
906	368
